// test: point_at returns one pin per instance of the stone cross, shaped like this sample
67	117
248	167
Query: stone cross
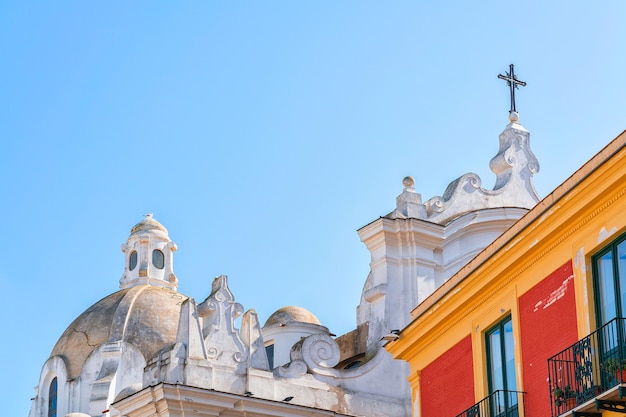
513	84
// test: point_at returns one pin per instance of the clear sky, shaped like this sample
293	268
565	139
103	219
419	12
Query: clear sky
263	134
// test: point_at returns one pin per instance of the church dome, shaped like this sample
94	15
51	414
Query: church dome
148	224
291	314
145	316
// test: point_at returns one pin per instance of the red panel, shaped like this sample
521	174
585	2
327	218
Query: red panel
447	384
547	326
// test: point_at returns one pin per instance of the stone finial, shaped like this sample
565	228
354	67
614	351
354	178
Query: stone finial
515	164
409	203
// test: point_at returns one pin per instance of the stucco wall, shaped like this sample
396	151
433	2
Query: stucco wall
447	386
547	325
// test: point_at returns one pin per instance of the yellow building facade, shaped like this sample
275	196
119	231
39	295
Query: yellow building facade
533	325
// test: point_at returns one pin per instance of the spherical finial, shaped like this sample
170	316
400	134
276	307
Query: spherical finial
408	181
513	116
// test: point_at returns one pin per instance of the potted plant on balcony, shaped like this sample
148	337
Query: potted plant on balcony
617	367
564	397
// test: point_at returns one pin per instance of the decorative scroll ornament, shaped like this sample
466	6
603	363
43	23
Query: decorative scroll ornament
294	369
318	351
466	184
514	166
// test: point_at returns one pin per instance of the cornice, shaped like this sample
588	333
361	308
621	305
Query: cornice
384	231
209	402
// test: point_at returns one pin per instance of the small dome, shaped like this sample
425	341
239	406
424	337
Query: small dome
148	224
145	316
291	314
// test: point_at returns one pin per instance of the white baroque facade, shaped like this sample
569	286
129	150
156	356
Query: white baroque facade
148	350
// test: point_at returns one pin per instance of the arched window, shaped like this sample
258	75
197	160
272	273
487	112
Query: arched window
158	259
132	262
52	398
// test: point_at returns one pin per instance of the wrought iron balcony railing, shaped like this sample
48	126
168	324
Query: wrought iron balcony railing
588	368
499	404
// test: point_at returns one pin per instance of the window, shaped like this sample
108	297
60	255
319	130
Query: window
609	276
52	398
501	368
352	365
351	362
269	350
132	261
158	260
609	282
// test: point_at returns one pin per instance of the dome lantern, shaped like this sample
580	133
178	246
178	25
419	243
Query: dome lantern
149	256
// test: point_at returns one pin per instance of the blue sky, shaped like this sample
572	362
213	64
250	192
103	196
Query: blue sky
263	135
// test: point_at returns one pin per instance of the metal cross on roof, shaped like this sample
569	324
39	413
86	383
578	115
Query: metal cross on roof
513	84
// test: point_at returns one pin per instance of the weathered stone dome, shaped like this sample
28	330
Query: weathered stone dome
149	223
144	316
291	314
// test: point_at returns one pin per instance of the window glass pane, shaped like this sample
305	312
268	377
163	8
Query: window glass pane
606	288
621	271
269	350
510	358
132	263
501	368
52	399
158	259
495	360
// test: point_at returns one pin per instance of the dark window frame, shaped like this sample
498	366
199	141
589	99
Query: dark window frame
599	295
510	404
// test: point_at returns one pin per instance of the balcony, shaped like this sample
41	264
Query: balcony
499	404
590	375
